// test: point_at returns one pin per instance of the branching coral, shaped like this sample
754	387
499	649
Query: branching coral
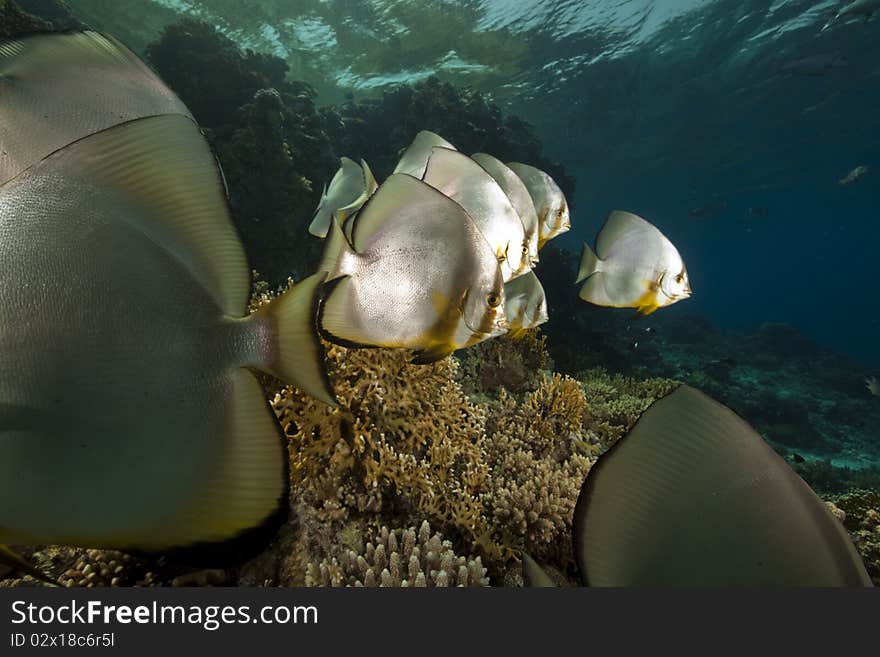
400	558
405	441
536	475
616	402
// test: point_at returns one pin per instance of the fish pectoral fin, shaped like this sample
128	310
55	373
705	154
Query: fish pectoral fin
432	354
17	563
644	311
517	333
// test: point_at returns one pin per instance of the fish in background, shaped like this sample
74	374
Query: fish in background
130	416
415	158
525	304
468	184
692	496
873	386
549	201
854	176
708	210
758	212
417	274
519	196
814	65
349	189
857	8
634	266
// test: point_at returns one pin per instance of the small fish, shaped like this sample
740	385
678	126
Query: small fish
525	304
349	189
469	185
873	386
854	176
708	210
519	196
415	158
634	266
418	274
550	203
129	414
758	212
863	8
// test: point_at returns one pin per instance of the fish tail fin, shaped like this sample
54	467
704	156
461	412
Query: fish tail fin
589	264
337	252
298	355
16	562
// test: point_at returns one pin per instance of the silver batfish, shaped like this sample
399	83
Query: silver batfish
417	275
469	185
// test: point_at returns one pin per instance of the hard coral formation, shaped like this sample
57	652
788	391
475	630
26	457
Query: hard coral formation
537	472
78	567
405	441
616	402
400	558
861	509
514	364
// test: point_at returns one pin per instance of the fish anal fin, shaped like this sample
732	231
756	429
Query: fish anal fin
243	495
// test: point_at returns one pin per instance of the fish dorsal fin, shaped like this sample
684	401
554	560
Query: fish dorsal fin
415	158
370	184
693	496
167	186
622	227
58	88
341	198
398	193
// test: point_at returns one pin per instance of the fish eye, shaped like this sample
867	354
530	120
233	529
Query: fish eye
679	278
494	300
525	250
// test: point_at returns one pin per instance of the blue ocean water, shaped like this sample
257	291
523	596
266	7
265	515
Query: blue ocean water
728	123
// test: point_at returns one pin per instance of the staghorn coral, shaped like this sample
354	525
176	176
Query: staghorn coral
399	558
514	364
405	441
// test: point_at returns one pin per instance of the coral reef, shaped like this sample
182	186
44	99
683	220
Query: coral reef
537	470
77	567
405	441
380	129
861	517
514	364
400	558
